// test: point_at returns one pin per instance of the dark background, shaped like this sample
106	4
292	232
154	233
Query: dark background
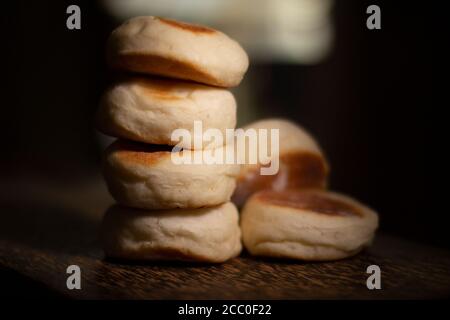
367	104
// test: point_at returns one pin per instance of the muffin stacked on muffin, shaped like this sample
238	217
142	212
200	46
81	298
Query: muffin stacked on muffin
169	210
291	214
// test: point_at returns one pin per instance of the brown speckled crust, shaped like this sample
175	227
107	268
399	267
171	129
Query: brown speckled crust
159	89
162	66
138	153
194	28
302	170
312	200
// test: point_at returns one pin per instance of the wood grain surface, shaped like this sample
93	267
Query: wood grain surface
49	228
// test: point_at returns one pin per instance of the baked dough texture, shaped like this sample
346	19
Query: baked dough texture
145	176
150	110
203	235
179	50
306	225
301	162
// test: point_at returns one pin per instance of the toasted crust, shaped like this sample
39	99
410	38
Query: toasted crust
302	163
160	89
194	28
171	67
312	201
175	49
138	153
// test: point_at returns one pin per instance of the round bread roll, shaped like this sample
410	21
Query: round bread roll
301	162
175	49
306	225
149	110
204	235
146	176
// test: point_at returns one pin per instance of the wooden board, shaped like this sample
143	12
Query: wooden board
50	229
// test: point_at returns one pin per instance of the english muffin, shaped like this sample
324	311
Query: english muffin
202	235
150	110
152	177
176	49
306	225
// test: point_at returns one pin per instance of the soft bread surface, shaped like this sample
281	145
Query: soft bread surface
175	49
204	235
302	163
306	225
144	176
149	110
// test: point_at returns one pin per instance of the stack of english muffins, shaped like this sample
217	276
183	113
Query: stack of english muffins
177	73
